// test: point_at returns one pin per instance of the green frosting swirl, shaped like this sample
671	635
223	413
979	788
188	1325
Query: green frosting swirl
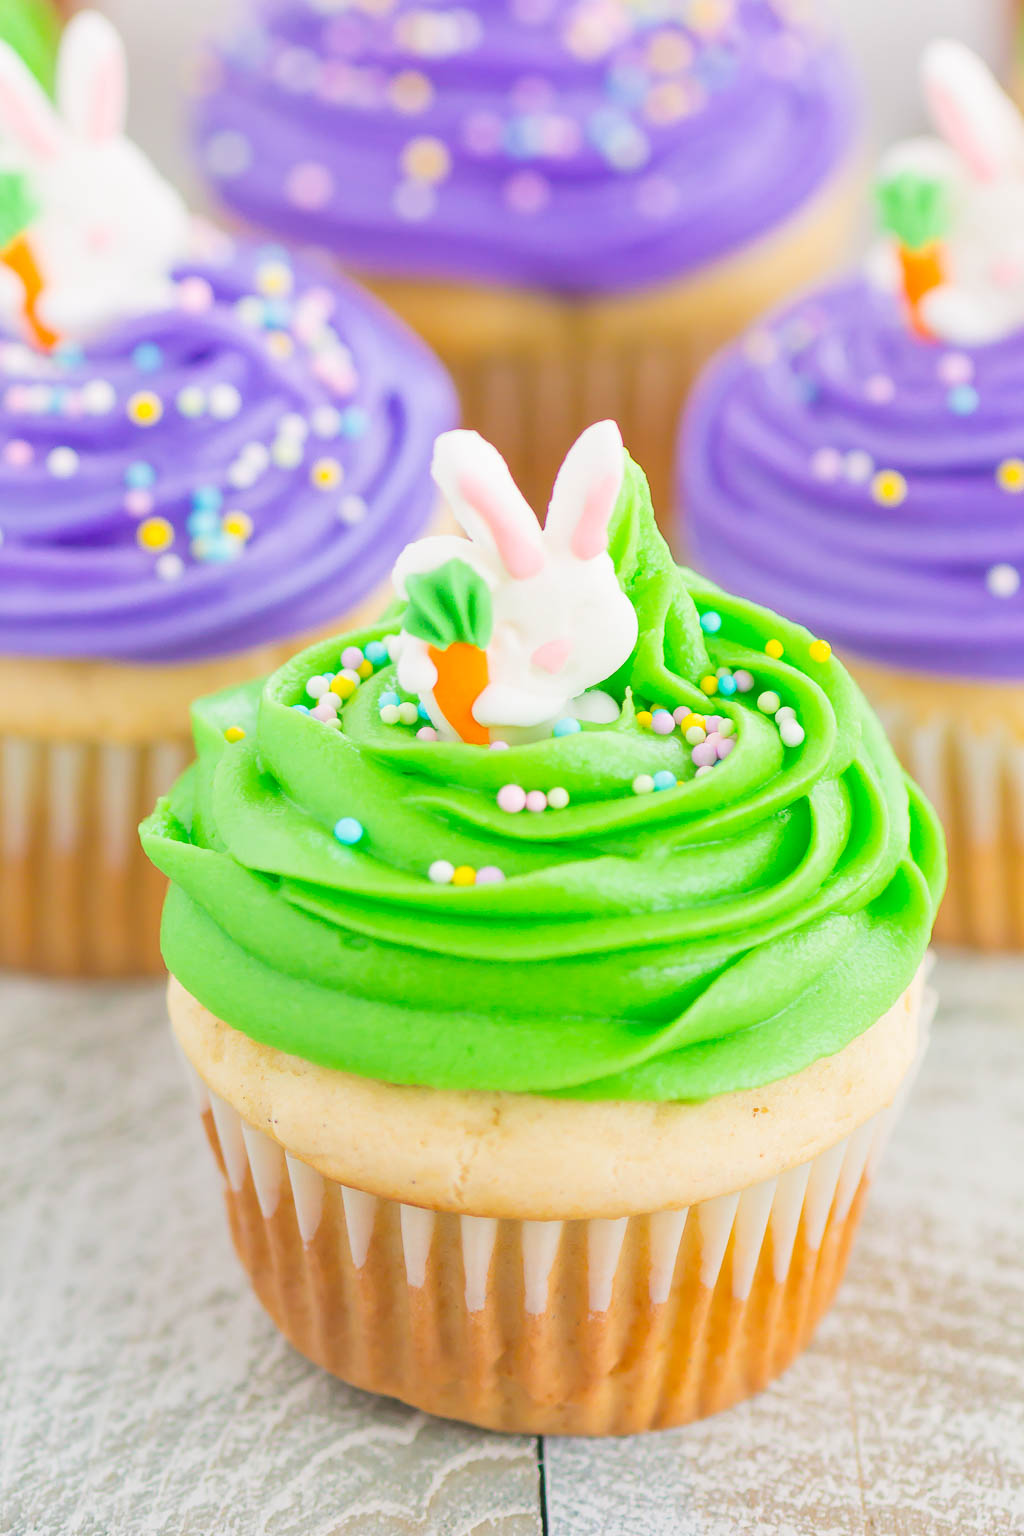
675	945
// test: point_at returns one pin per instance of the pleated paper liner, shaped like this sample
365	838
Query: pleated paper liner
533	369
557	1327
963	742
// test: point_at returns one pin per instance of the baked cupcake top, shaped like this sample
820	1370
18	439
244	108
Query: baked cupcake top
570	820
590	146
859	458
202	446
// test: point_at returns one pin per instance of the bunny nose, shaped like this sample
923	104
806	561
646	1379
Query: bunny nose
99	238
553	654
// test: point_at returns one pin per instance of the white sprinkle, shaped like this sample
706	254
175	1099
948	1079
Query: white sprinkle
62	463
768	702
98	397
169	567
191	401
1003	580
352	509
558	798
441	872
643	784
225	401
792	733
326	421
859	466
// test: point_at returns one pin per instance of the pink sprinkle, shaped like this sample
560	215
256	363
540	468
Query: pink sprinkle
536	800
323	710
309	185
662	723
512	798
427	733
195	295
712	723
352	657
499	746
527	192
704	754
490	875
138	503
18	452
724	745
680	714
744	681
955	368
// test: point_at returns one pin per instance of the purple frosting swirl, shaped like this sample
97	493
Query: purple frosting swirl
237	470
588	146
842	471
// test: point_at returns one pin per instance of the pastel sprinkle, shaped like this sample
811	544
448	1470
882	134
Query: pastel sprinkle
62	463
711	622
348	830
662	723
643	784
441	872
727	685
768	702
408	713
536	801
464	874
351	656
375	652
389	696
365	669
819	650
889	488
686	719
154	533
390	714
145	408
512	798
709	685
694	735
490	874
663	779
1003	580
566	727
704	754
1010	476
558	798
426	733
234	733
317	686
744	680
343	686
774	649
643	718
792	733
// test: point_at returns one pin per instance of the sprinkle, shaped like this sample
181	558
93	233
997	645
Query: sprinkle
1010	476
704	769
376	653
643	718
169	567
744	680
558	798
774	649
144	408
792	733
704	754
955	368
709	685
490	874
140	476
963	400
858	466
819	650
326	474
154	533
512	798
148	357
684	718
191	401
426	159
349	831
1003	580
536	801
317	686
351	656
343	687
566	727
327	709
408	713
426	733
768	702
465	874
723	746
726	727
98	397
391	714
662	723
234	733
389	696
889	488
787	712
225	402
441	872
62	463
365	669
727	685
694	735
498	746
663	779
643	784
238	525
711	622
18	452
207	498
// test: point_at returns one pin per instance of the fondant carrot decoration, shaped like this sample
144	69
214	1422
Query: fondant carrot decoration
20	258
914	209
450	608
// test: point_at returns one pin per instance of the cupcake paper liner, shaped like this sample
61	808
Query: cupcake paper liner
532	370
590	1327
963	743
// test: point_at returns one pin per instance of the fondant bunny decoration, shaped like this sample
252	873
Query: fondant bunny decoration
956	205
104	231
506	630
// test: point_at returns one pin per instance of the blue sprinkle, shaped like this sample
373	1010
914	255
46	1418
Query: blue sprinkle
302	708
963	400
148	357
663	779
389	696
202	524
140	476
354	422
58	400
207	498
424	712
69	354
276	314
376	652
349	831
727	686
565	727
711	622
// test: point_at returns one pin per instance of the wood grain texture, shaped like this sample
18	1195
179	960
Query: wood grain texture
143	1392
906	1416
142	1389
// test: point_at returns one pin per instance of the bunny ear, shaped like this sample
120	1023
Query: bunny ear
92	78
971	110
27	118
477	485
586	491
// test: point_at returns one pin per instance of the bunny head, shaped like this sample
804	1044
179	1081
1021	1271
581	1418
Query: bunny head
106	231
960	196
548	613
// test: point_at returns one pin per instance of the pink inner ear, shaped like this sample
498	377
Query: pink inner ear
553	654
957	128
106	103
27	126
520	556
590	536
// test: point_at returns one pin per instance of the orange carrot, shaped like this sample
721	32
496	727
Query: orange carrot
461	679
922	271
20	257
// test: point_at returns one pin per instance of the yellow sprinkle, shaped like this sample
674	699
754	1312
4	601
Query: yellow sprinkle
819	650
889	488
773	649
365	669
274	279
692	720
280	346
344	687
145	408
154	533
709	685
234	733
464	875
238	525
326	474
1010	475
644	718
426	159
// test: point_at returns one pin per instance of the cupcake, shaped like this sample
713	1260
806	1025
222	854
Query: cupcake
607	889
858	462
207	456
573	203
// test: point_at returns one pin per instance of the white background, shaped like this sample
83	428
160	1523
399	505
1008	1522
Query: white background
886	37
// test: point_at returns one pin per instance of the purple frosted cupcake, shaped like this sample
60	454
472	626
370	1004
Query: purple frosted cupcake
206	454
858	462
573	202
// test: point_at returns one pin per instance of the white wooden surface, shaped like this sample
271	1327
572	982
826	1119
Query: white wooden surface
143	1393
